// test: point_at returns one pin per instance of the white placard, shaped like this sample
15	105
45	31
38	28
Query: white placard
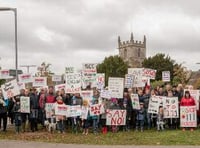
25	78
96	109
39	81
73	83
166	76
135	101
171	108
116	87
25	104
74	111
138	76
59	87
105	94
115	117
188	116
10	89
56	78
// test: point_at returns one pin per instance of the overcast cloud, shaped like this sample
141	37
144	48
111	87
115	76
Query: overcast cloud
72	32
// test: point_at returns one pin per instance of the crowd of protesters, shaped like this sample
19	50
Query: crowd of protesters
138	120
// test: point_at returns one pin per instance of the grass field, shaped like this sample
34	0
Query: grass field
148	137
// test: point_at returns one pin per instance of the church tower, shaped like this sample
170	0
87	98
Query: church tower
133	52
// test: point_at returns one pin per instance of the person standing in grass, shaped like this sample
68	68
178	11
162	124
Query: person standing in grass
187	100
17	116
140	118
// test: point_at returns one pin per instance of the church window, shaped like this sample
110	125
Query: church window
139	51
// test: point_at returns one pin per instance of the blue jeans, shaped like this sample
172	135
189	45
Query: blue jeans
140	123
95	125
61	125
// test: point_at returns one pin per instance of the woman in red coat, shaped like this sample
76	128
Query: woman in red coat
187	100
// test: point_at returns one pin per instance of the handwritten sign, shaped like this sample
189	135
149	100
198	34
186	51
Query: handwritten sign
73	83
74	111
188	116
84	112
56	78
154	103
149	73
48	109
105	94
25	104
60	109
115	117
116	87
25	78
5	74
39	81
171	108
10	89
59	87
129	78
166	76
135	101
138	76
69	70
100	79
96	109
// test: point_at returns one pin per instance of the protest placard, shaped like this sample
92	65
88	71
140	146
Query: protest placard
25	78
188	116
116	87
96	109
59	87
56	78
166	76
74	111
69	70
5	74
84	112
149	73
100	79
135	101
138	75
21	85
73	83
60	109
105	94
49	109
25	104
10	89
154	103
115	117
87	95
129	78
39	81
171	108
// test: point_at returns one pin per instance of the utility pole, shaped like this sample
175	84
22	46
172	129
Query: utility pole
28	66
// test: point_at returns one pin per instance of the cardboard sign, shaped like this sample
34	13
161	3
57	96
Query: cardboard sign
56	78
87	95
135	101
69	70
74	111
39	81
129	78
195	94
21	85
138	75
60	109
10	89
59	87
25	78
100	79
73	83
154	103
115	117
188	116
48	109
25	104
84	112
105	94
116	87
149	73
166	76
89	68
5	74
96	109
171	108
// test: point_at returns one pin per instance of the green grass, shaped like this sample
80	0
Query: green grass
150	137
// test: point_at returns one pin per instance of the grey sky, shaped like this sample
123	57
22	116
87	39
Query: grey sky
72	32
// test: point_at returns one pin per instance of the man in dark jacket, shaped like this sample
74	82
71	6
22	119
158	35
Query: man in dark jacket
3	112
34	105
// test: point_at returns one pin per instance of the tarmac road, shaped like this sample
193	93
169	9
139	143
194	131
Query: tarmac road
22	144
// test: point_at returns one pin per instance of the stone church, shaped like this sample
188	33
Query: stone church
132	51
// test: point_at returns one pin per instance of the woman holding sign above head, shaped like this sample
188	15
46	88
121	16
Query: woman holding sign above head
187	100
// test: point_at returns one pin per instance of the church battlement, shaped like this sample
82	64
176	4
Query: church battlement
132	51
132	42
